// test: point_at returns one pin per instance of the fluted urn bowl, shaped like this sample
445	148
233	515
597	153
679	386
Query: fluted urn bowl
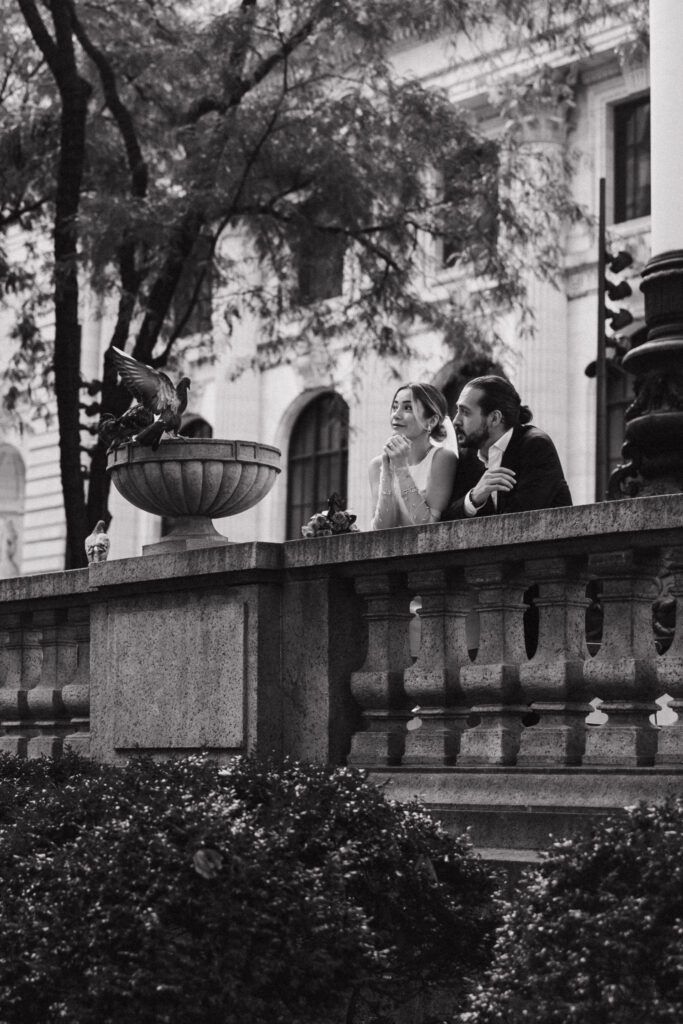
193	481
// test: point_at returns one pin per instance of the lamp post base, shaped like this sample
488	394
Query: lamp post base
653	442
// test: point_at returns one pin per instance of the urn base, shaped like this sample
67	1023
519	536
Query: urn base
188	533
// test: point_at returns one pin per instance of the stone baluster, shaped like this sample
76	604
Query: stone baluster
44	655
491	682
47	722
623	673
23	661
58	666
10	666
59	647
552	681
79	621
22	667
10	669
670	669
13	718
432	682
378	685
76	693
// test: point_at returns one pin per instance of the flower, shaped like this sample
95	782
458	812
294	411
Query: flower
336	519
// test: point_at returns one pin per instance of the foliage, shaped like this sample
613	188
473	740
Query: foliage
596	934
160	143
184	891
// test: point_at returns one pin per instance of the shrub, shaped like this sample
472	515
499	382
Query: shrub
183	891
596	935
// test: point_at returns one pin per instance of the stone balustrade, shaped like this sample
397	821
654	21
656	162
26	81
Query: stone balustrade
45	663
310	649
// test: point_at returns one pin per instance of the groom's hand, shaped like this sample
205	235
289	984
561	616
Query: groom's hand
500	479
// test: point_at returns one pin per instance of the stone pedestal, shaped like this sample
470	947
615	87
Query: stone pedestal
181	665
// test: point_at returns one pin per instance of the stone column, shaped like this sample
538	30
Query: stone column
666	144
654	430
541	369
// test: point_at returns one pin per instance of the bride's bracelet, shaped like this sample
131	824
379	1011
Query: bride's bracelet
417	507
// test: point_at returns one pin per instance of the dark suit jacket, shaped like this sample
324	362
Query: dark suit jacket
540	480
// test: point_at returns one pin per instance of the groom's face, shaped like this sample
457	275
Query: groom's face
472	426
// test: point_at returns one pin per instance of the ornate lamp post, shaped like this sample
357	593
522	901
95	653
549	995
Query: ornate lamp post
654	429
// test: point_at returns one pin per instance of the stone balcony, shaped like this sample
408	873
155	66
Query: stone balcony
310	649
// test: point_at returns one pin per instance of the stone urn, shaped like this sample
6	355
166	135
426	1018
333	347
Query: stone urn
192	481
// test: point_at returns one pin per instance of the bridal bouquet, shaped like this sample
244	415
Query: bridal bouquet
336	519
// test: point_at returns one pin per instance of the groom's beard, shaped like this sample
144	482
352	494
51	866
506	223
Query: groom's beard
474	440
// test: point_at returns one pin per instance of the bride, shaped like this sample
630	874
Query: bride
412	480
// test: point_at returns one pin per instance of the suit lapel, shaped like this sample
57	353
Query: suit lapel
510	460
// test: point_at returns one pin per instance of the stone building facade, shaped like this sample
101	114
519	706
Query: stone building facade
329	424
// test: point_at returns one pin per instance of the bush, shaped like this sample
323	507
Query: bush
186	892
596	935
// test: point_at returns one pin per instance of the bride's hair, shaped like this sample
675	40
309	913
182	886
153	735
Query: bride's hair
432	401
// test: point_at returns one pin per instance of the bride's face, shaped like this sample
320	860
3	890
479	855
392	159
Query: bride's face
408	416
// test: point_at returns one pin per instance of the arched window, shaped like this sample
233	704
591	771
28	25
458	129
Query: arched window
453	378
195	426
318	459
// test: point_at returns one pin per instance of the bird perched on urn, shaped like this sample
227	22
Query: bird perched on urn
97	544
156	392
116	431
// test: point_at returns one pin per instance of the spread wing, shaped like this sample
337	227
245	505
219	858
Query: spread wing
151	387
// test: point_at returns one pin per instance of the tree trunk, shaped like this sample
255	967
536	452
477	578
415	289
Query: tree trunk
74	93
114	399
67	327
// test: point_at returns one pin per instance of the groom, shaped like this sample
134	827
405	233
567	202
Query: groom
516	467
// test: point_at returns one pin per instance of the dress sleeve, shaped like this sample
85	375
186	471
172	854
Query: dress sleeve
414	500
386	513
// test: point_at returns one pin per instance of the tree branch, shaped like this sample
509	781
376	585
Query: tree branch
120	113
241	86
42	37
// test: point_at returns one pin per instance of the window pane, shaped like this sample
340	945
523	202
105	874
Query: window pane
632	160
471	223
318	460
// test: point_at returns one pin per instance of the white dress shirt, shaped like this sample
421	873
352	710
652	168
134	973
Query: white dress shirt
491	461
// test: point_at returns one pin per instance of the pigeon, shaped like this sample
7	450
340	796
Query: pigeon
156	393
97	544
114	432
